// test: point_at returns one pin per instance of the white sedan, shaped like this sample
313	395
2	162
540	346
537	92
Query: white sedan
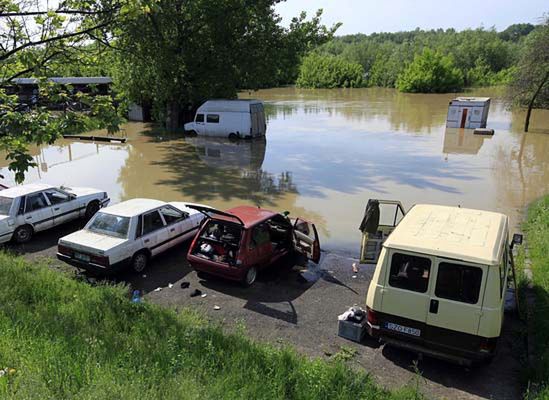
31	208
129	233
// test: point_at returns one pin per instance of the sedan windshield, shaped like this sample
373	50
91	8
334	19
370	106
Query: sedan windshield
111	225
5	205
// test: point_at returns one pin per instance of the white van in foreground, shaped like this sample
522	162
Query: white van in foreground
440	282
231	119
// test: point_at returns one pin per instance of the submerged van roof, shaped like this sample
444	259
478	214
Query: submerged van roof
470	235
240	105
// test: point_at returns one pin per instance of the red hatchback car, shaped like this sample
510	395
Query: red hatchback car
237	243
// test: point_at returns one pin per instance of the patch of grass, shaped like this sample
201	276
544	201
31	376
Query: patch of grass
536	229
345	353
64	339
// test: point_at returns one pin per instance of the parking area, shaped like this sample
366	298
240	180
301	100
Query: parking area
283	307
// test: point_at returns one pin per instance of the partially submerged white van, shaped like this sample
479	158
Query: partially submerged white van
231	119
440	281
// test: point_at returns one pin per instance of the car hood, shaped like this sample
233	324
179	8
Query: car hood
82	191
86	240
4	227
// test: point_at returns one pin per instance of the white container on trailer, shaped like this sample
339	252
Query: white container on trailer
229	118
468	112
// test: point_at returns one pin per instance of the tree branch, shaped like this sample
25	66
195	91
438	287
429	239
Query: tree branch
30	69
31	13
52	39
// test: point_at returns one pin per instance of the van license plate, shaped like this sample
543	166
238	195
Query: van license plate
402	329
82	257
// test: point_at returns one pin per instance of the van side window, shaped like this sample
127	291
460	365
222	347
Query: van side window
199	118
410	272
212	118
458	282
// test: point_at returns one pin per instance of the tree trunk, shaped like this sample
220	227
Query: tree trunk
172	116
531	104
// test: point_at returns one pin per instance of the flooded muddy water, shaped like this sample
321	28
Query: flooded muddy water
326	153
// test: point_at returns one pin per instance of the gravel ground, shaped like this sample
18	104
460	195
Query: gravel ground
284	308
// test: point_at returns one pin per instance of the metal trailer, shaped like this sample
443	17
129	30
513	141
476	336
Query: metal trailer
468	112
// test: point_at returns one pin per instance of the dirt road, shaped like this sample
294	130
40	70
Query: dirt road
283	307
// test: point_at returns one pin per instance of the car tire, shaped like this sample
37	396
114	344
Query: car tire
23	234
233	136
140	261
191	133
250	277
91	209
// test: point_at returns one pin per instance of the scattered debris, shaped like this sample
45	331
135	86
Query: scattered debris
354	276
170	285
355	268
144	275
217	308
204	295
355	314
185	285
158	289
195	292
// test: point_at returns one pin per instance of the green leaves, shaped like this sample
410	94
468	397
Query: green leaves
21	126
430	72
323	71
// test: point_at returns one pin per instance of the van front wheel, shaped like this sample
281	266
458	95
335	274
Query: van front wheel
233	136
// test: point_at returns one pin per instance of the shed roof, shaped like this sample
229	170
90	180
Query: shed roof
68	80
133	207
459	233
473	100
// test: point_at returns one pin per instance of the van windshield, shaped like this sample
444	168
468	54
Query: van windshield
111	225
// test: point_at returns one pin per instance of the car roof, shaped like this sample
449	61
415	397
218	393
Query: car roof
452	232
133	207
22	190
249	215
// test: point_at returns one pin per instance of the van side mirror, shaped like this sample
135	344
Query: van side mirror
517	239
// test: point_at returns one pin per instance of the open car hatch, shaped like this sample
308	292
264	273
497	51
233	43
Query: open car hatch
211	212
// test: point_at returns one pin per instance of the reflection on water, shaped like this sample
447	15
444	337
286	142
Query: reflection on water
462	141
326	153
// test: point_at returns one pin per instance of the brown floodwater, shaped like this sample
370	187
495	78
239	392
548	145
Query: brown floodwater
326	153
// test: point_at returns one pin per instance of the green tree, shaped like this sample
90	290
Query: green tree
430	72
530	85
299	39
175	55
324	71
32	39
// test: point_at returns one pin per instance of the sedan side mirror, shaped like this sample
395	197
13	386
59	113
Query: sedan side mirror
517	239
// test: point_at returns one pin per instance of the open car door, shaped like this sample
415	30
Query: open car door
212	212
306	240
380	219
